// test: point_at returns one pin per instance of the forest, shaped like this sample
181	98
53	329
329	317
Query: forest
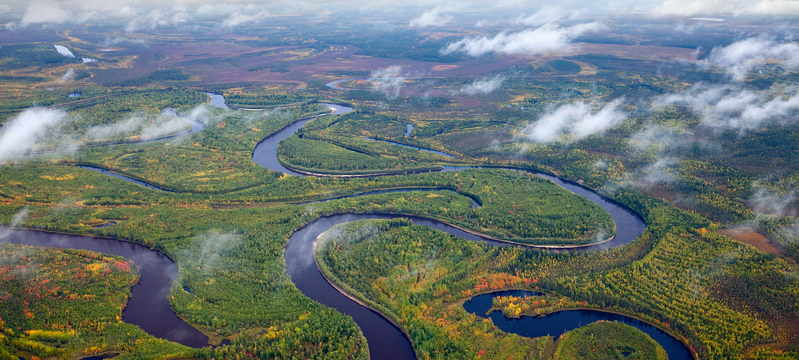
715	267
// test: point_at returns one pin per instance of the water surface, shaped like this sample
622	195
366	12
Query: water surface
148	306
560	322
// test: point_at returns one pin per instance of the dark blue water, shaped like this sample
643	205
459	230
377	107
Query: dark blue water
265	153
560	322
385	340
148	306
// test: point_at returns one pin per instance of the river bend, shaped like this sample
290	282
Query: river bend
149	307
385	339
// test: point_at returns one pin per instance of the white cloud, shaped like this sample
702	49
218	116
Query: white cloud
483	86
546	38
659	172
658	139
146	127
766	201
388	80
67	76
741	57
688	29
210	249
45	11
237	18
778	7
579	119
216	10
21	134
20	217
727	107
44	130
430	18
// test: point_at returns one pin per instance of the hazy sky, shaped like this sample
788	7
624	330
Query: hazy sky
430	13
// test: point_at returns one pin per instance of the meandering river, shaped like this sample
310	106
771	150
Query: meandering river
149	307
385	339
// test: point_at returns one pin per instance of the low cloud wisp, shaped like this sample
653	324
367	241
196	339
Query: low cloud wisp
483	86
155	19
430	18
767	201
67	75
743	56
43	130
544	39
238	18
728	107
388	80
579	120
24	133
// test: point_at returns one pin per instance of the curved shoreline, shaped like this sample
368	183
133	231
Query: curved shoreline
674	335
677	346
127	178
482	237
554	178
416	147
491	238
344	308
485	236
157	274
344	176
353	297
475	201
679	337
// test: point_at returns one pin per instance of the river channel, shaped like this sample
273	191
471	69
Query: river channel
149	306
558	323
385	339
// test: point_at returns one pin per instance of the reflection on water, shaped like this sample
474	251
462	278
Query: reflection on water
265	153
148	306
560	322
218	100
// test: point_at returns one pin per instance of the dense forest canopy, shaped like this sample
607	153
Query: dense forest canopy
156	124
